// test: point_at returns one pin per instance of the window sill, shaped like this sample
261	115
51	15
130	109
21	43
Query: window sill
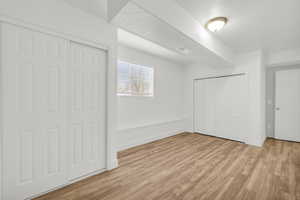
135	96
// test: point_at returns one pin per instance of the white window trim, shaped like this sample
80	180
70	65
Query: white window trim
133	95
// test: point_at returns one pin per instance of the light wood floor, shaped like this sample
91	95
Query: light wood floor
196	167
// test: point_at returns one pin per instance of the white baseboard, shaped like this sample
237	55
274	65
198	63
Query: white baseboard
69	182
132	137
115	164
258	143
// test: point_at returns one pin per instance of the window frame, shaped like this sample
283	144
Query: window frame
135	95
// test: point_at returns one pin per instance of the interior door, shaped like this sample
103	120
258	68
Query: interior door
34	112
220	107
287	98
232	107
205	105
87	110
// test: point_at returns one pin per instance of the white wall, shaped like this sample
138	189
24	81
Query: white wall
253	65
144	119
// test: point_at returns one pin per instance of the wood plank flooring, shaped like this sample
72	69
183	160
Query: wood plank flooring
195	167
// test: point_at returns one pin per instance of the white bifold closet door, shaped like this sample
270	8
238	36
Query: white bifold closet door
53	96
87	110
220	106
34	114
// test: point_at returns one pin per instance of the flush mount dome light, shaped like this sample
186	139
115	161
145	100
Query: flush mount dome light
216	24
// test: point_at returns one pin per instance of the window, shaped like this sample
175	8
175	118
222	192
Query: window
134	80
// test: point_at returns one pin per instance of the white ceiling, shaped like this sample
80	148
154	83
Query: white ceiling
95	7
253	24
132	40
136	20
269	25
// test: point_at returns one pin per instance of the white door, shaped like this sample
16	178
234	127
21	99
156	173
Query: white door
221	107
205	105
232	107
287	117
87	110
34	114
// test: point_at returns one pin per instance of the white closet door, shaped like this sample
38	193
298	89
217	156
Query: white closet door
232	107
220	107
87	110
34	114
205	106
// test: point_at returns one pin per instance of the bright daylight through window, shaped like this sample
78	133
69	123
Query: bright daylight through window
135	80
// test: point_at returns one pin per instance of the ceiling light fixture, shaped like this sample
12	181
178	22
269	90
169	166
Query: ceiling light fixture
216	24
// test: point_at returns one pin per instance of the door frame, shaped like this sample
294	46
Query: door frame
271	95
110	102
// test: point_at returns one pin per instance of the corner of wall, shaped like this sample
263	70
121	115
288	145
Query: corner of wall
114	164
256	141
